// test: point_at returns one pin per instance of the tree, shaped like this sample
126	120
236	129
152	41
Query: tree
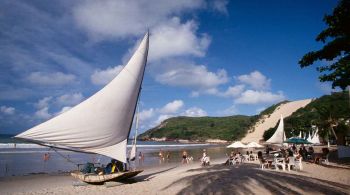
336	49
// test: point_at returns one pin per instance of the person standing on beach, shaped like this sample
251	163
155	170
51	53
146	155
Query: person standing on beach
168	156
140	159
161	156
184	157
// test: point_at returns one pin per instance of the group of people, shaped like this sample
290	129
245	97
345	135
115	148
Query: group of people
163	156
237	157
185	157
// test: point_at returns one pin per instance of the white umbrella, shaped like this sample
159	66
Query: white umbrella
237	144
254	145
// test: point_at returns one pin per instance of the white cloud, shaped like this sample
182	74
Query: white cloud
112	19
196	77
70	99
220	6
233	91
161	118
194	112
256	97
7	110
102	77
256	80
49	79
64	109
172	107
175	39
43	113
145	115
44	102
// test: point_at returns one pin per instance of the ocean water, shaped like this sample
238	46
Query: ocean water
19	158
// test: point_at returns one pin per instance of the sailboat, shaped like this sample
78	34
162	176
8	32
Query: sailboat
101	124
279	136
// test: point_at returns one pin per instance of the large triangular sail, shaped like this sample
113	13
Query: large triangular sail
100	124
279	136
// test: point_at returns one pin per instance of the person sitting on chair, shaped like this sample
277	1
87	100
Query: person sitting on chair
205	159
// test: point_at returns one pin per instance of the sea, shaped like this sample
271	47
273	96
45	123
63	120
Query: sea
20	158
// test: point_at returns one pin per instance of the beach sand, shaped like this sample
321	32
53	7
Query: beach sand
246	178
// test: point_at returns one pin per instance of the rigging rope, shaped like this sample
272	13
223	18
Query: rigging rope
67	158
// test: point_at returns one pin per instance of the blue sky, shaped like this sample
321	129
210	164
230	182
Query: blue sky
206	58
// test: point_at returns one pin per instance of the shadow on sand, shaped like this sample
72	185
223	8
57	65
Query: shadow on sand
149	176
250	179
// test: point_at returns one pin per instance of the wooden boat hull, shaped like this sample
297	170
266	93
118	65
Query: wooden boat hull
100	179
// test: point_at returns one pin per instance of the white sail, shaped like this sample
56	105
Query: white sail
278	137
100	124
309	138
300	135
315	139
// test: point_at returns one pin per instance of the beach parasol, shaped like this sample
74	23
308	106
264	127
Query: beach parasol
237	144
254	145
297	140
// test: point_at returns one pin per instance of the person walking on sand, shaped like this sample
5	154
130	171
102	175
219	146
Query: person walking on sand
184	157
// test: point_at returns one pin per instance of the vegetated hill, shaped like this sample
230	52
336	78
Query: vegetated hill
202	128
334	106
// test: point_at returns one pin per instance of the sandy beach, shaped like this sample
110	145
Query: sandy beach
176	178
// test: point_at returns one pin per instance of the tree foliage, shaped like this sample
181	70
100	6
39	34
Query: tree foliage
336	49
202	128
328	112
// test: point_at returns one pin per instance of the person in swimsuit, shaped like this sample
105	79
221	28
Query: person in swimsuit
184	157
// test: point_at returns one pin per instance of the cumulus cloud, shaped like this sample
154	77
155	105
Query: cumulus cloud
175	39
63	110
233	91
194	112
69	99
256	80
172	107
255	97
196	77
44	102
161	118
49	79
102	77
145	115
112	19
154	116
43	113
8	110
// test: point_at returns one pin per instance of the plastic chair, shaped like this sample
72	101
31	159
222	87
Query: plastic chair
279	162
325	160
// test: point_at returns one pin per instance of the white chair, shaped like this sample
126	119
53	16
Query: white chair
296	163
263	164
245	157
299	163
279	162
325	160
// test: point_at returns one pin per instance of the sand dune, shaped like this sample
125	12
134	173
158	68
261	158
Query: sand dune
270	121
